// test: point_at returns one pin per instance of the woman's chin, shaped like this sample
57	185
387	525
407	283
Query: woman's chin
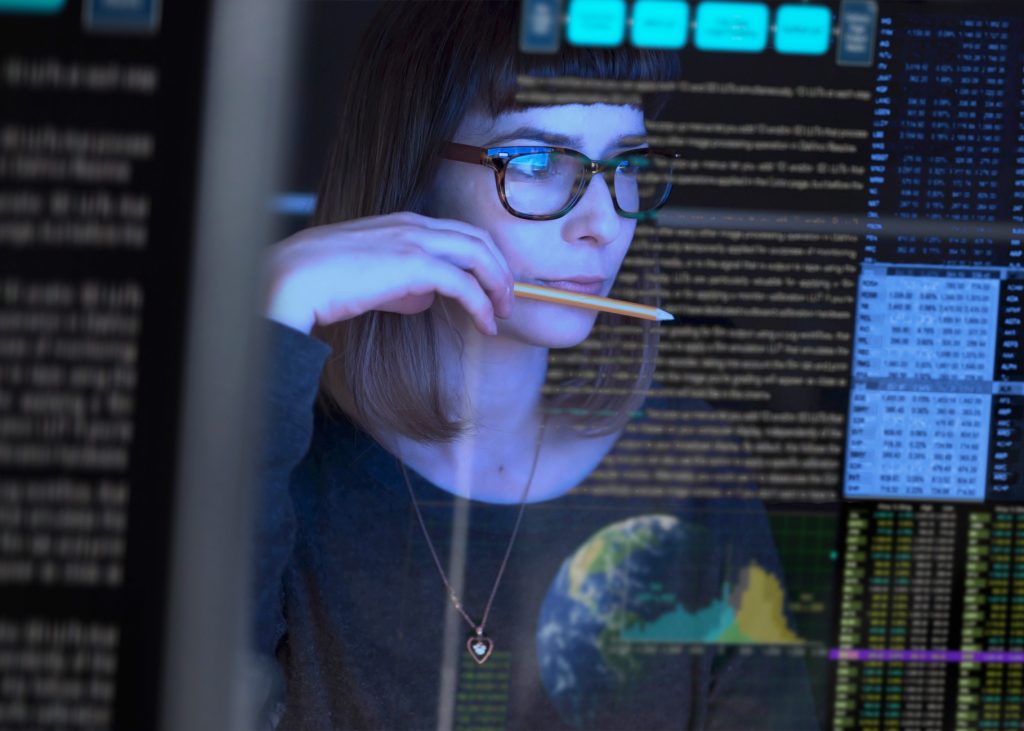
556	327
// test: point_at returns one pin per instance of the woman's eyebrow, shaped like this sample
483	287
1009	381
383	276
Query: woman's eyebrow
559	140
535	133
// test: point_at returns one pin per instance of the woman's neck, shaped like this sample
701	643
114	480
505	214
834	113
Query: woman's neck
495	385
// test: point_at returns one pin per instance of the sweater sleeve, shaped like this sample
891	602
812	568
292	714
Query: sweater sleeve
294	364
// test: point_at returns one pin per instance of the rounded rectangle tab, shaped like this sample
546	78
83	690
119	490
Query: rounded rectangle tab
803	29
858	21
740	27
40	7
596	22
121	16
660	23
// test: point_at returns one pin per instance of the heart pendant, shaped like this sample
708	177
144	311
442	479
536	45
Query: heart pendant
480	648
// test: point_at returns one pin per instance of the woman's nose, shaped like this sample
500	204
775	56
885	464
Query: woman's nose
594	217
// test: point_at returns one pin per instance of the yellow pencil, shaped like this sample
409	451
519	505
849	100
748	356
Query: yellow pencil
589	302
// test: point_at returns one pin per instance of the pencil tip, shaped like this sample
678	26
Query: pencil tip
662	316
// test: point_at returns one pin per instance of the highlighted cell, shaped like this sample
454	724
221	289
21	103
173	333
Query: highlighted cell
735	27
660	23
597	22
39	7
803	29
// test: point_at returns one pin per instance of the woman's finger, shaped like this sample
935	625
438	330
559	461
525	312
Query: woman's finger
465	252
465	228
407	218
457	284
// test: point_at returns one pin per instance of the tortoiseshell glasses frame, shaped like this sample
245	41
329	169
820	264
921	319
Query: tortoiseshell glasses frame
498	159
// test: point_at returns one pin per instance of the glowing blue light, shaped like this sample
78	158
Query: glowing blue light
660	23
803	29
31	6
597	22
738	27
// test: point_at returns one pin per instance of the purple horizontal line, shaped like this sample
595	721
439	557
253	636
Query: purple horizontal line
982	656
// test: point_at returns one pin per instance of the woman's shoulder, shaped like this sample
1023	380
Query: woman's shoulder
291	348
293	365
337	433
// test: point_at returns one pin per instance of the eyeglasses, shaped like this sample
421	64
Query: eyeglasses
544	183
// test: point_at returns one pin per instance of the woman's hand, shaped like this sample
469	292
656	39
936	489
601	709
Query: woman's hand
397	263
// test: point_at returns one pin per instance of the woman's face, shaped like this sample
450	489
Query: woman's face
588	244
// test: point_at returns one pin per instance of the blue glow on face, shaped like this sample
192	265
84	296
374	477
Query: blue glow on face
589	240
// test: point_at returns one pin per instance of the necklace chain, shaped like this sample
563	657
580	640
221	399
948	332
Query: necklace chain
479	628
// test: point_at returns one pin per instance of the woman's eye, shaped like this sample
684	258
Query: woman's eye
533	166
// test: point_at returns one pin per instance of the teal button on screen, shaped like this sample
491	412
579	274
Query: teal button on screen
803	29
31	6
596	22
660	23
737	27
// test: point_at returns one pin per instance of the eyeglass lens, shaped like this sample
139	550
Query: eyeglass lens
543	183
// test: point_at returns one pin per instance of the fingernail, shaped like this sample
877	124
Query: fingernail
492	327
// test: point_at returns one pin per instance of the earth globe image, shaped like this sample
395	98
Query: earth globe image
615	621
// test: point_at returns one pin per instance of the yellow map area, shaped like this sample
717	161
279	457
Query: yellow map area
759	610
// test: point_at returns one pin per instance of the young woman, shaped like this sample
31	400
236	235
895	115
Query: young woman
422	563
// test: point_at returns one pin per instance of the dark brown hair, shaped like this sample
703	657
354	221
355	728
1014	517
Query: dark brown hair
420	67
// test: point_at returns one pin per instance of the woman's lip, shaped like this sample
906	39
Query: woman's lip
575	285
